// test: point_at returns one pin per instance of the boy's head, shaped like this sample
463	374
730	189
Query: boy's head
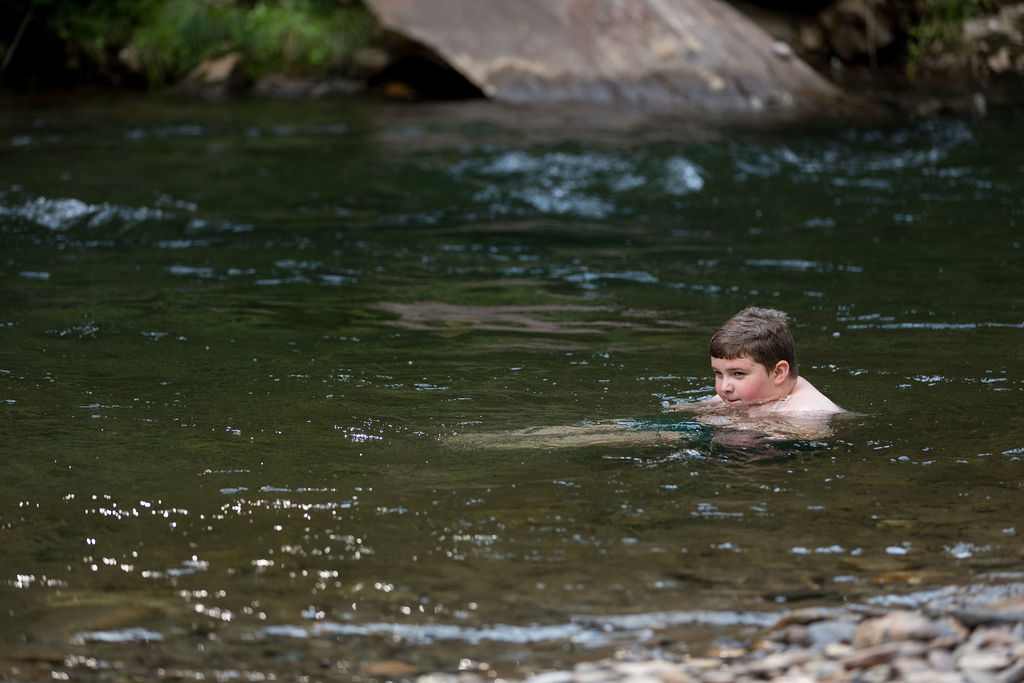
753	357
761	334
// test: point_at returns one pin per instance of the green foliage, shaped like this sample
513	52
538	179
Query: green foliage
167	38
940	24
178	34
296	35
288	35
92	29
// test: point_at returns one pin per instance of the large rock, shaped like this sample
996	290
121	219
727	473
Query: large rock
664	55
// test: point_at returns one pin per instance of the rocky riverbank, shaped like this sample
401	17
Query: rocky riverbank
843	645
850	40
914	57
962	67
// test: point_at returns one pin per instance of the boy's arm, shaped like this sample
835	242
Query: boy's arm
697	406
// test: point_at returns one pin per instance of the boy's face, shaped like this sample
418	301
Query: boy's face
744	381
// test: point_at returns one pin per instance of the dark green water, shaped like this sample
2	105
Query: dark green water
236	343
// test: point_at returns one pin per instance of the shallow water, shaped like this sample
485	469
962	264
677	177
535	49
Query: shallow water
241	343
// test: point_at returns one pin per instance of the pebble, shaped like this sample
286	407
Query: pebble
985	661
834	646
941	660
594	675
882	654
779	662
552	677
898	626
907	666
934	677
1015	674
831	631
838	650
876	674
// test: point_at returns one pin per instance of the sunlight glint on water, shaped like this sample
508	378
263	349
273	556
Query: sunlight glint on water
250	355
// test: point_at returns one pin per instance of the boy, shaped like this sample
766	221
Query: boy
754	360
759	397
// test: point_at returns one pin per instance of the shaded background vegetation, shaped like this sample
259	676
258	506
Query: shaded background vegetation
153	43
156	42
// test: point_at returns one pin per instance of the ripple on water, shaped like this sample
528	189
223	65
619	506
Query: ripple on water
577	184
185	130
201	272
682	177
406	632
858	154
84	330
933	326
588	278
125	635
182	244
834	549
803	265
278	281
204	225
585	631
186	568
965	550
558	183
66	213
1009	587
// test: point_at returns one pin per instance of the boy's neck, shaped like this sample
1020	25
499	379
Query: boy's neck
786	389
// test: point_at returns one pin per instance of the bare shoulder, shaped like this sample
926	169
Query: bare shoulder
807	399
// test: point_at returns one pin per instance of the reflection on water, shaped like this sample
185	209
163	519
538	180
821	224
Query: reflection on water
271	380
431	315
591	631
751	438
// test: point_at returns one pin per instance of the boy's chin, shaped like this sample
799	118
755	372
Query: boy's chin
745	403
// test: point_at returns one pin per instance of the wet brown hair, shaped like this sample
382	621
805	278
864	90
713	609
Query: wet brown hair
761	334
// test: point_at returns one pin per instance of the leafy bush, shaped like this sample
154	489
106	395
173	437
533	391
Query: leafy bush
288	35
91	30
297	35
167	38
178	34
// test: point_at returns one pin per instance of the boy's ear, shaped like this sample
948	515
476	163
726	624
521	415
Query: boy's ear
780	373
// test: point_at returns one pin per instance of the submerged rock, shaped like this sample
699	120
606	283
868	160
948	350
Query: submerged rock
687	56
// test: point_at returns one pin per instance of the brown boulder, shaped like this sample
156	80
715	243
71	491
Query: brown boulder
662	55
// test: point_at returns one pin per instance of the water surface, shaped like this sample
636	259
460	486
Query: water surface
239	342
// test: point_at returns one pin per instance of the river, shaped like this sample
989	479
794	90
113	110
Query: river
243	348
